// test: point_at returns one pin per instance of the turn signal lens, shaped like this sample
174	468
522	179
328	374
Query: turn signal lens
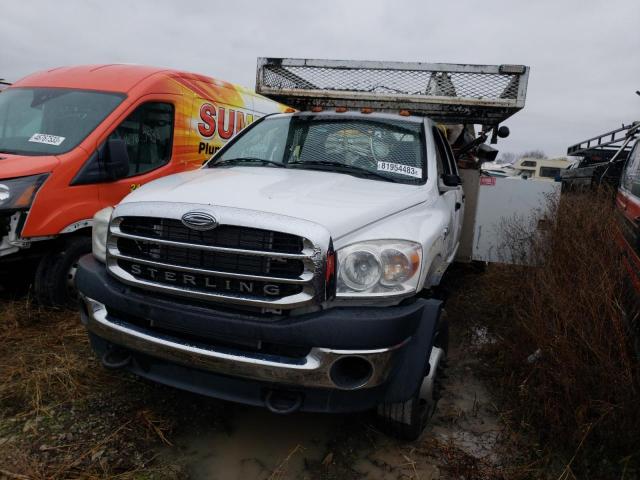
24	200
398	266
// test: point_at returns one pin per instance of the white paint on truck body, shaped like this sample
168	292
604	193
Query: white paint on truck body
352	209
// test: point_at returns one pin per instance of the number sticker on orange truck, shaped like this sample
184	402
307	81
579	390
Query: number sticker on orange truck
47	139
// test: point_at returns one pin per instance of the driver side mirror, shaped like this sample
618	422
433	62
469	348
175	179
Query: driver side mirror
115	159
450	180
108	163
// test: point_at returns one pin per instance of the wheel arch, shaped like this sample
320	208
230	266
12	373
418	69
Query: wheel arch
82	227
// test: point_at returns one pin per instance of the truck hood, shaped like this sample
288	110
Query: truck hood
339	202
12	166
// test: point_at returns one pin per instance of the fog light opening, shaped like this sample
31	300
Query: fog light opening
351	372
115	358
283	402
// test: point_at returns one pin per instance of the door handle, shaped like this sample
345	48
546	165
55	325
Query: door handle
458	205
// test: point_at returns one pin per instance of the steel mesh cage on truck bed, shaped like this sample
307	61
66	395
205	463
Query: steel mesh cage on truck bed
448	93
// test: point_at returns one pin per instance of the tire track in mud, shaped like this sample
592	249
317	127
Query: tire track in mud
258	444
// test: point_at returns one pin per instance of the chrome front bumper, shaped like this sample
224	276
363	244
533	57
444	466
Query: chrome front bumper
313	370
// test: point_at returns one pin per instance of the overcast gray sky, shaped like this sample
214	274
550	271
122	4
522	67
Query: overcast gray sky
584	54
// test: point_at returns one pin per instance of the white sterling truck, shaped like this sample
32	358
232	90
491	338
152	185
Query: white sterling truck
294	269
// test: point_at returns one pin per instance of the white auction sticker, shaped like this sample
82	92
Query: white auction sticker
400	169
47	139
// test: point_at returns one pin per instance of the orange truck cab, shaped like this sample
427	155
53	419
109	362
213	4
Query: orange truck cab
74	140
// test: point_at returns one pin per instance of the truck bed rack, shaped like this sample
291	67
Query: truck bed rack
603	147
448	93
603	159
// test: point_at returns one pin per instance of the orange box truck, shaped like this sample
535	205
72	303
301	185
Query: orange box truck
74	140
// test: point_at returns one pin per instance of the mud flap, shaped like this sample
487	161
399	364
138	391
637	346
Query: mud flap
413	364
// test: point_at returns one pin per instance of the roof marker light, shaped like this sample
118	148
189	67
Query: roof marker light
405	113
341	109
316	109
366	110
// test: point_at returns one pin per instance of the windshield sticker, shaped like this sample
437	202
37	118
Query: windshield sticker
46	139
401	169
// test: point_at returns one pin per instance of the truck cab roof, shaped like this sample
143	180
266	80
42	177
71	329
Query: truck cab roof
120	78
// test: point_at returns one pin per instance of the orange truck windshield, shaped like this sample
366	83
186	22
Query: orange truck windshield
50	121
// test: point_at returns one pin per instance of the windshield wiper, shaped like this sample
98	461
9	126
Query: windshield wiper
10	152
347	169
232	161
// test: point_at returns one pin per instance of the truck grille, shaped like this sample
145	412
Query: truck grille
218	261
231	263
230	236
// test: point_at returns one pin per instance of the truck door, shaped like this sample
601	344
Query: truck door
148	131
452	196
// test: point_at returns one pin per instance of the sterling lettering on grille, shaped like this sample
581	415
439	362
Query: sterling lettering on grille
204	282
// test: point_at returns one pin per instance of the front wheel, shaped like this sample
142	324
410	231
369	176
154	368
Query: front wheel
54	283
407	420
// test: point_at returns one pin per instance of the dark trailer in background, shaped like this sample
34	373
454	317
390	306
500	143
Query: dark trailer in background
601	159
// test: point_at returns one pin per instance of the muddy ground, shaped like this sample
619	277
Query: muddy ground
257	444
63	416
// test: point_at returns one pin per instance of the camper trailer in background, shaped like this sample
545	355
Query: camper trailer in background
540	168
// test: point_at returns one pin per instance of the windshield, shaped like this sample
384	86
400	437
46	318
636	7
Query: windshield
49	121
383	149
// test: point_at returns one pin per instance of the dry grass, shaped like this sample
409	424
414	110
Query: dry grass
564	358
44	357
61	414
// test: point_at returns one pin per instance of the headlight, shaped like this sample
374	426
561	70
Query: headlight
99	233
18	193
361	270
379	268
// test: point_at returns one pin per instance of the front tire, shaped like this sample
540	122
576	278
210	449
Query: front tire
407	420
54	283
